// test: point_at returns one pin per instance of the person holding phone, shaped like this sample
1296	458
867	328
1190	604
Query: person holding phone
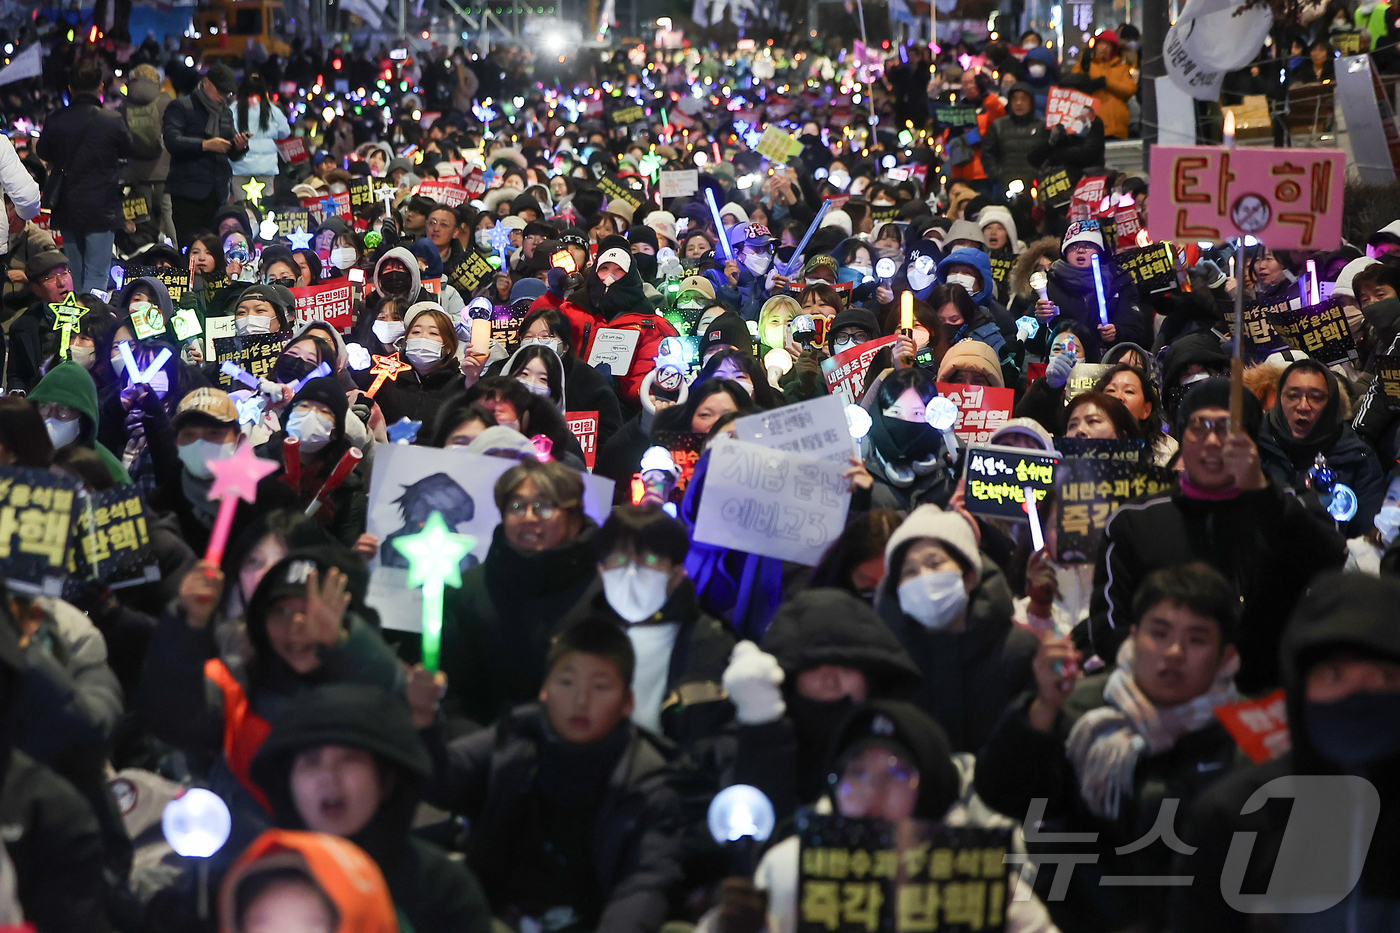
203	144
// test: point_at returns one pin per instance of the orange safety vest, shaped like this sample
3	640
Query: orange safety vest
244	730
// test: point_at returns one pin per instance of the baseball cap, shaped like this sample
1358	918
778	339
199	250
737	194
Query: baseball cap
42	263
697	284
740	233
206	406
726	330
514	222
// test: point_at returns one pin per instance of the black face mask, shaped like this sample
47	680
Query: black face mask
1357	730
395	283
291	369
646	265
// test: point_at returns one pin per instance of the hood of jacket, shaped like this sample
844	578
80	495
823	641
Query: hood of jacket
238	214
122	306
336	225
1325	430
409	260
141	91
69	384
1115	353
1026	88
830	626
357	716
1029	261
1384	318
327	333
1043	56
912	731
347	876
1339	610
1192	350
967	256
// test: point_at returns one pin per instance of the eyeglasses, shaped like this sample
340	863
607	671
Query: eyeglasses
544	511
1316	396
1198	429
57	274
441	224
862	780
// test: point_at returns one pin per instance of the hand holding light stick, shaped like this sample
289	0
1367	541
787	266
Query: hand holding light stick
134	373
1037	533
348	462
235	478
906	320
1098	289
385	367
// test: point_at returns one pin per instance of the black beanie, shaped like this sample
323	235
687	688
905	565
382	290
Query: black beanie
328	392
641	233
1215	393
727	330
279	297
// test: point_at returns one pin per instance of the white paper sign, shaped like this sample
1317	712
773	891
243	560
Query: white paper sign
408	484
216	327
771	502
680	184
615	346
814	428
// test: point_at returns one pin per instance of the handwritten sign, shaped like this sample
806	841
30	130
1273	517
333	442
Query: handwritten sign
845	372
771	502
584	425
681	184
38	510
1286	198
871	876
776	145
254	353
330	303
293	149
1090	490
1318	330
444	192
982	410
996	478
814	428
615	346
1073	109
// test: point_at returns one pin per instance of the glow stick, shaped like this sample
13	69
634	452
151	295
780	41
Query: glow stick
385	367
1314	296
1037	533
135	373
791	265
906	312
234	371
342	469
1098	289
291	461
434	560
719	225
321	371
234	478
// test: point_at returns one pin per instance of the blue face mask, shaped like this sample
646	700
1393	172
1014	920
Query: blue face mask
1356	730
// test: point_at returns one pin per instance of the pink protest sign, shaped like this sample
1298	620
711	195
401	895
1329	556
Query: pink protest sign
330	303
441	191
1074	109
845	372
1285	198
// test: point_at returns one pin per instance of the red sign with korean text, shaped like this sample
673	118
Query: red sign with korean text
845	372
443	192
330	303
982	410
475	183
584	424
1259	727
293	149
1284	198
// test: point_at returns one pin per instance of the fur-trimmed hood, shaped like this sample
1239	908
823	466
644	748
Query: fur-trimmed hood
1020	279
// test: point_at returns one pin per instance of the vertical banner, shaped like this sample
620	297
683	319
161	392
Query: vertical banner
584	424
1375	144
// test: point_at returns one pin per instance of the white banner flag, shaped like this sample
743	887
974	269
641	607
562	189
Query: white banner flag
1210	39
27	64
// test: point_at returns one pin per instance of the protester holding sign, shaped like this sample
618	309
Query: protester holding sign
1111	82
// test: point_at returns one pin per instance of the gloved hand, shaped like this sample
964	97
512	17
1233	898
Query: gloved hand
1057	373
752	680
557	280
809	366
1057	134
1097	84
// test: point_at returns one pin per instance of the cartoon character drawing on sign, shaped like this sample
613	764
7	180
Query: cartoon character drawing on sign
436	493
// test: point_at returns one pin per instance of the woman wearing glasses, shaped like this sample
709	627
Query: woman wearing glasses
497	626
1307	421
1229	514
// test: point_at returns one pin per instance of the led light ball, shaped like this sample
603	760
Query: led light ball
740	810
197	823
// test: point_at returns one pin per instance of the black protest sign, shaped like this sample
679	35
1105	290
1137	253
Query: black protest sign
38	512
1001	266
618	190
135	209
1153	267
115	538
1090	490
505	322
1056	189
996	479
255	353
176	281
884	215
1258	332
685	449
1318	330
624	116
956	116
1100	448
1388	378
870	876
467	274
293	219
1083	377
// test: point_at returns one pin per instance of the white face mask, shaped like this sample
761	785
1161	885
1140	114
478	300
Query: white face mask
935	599
483	239
758	263
844	344
342	257
84	356
160	383
119	365
62	433
635	593
311	428
554	343
1388	522
387	331
422	352
968	283
251	324
535	388
863	270
195	455
1036	70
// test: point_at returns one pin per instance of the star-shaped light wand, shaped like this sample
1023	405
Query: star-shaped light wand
434	560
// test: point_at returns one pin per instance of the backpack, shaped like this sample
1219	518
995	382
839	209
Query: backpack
145	125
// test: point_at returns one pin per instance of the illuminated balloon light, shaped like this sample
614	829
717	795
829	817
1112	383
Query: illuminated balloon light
941	414
196	823
740	810
1343	504
858	421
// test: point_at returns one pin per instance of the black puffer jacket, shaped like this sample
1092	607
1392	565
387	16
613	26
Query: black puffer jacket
89	144
1072	291
414	395
195	173
1355	611
1009	141
436	894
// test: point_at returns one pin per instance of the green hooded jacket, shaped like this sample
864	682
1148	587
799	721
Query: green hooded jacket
69	384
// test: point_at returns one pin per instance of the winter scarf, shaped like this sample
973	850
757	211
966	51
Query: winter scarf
1105	744
214	110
